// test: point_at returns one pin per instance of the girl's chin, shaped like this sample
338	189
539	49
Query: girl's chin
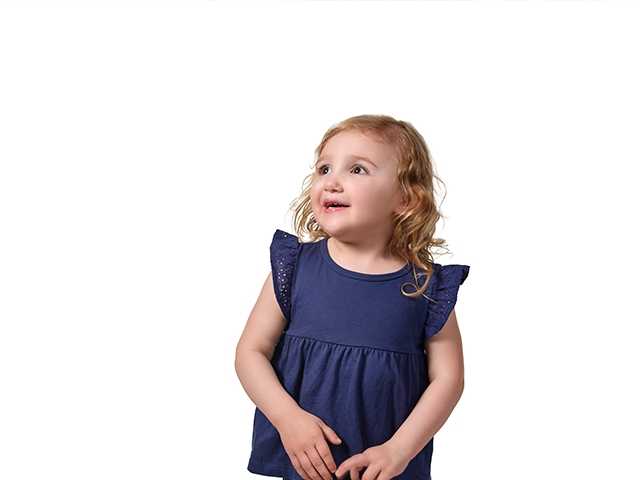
336	228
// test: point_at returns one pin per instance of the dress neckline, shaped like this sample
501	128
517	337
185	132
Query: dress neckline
373	277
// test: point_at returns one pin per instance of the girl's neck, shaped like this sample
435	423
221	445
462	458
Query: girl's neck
368	257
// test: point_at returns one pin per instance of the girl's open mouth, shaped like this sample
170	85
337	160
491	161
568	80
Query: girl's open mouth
334	208
331	206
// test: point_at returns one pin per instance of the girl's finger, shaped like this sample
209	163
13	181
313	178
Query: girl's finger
300	468
331	435
371	472
355	462
325	454
308	466
318	464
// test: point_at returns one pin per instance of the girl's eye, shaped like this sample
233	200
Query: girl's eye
321	168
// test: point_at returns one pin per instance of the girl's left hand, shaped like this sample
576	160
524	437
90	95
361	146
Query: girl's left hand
382	462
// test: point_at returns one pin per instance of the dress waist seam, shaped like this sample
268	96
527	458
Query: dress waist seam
366	347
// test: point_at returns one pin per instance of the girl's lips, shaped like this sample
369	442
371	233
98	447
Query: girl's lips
333	209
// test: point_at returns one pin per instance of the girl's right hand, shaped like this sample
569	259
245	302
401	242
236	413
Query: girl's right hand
303	437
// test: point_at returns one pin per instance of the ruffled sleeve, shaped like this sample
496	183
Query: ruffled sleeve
284	250
443	291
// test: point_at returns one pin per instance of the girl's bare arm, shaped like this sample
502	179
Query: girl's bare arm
446	374
253	357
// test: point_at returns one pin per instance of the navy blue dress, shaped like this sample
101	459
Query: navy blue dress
352	352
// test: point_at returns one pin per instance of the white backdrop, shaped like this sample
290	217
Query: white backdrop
149	150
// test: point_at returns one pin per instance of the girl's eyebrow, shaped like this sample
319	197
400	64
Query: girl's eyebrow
351	157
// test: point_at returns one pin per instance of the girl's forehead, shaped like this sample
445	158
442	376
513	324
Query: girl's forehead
356	137
357	145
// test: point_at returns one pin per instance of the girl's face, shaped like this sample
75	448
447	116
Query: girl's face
356	170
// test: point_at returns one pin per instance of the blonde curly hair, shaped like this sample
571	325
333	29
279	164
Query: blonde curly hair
413	237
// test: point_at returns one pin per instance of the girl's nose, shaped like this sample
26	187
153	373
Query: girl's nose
333	185
332	181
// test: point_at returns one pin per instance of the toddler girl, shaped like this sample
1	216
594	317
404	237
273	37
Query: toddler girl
352	326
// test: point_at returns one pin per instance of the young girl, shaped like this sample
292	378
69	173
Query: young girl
351	327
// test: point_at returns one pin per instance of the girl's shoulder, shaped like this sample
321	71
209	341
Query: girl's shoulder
442	294
288	246
445	276
285	251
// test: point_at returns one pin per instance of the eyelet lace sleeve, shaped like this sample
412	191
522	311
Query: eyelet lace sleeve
444	292
284	255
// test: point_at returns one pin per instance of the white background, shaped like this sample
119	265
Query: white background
150	149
